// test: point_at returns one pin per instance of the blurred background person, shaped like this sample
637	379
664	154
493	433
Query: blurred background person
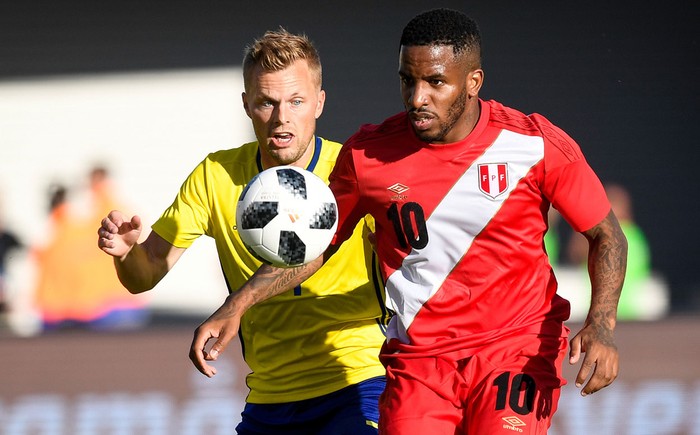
9	242
641	298
552	239
76	286
101	192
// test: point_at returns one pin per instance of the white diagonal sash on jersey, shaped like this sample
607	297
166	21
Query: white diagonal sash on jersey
461	215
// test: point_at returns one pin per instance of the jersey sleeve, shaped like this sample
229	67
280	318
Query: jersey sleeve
570	183
343	183
188	217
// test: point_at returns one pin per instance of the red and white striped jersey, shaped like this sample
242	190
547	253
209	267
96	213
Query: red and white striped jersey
460	226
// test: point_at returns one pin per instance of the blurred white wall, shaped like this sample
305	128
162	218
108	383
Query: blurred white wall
149	129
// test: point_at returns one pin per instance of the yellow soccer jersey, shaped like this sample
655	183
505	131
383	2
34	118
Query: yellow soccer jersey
308	341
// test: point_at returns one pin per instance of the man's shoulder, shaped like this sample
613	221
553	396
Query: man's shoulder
556	141
245	151
508	118
244	155
330	148
330	143
237	165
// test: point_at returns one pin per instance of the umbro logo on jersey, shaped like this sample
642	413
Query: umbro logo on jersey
513	423
493	178
399	190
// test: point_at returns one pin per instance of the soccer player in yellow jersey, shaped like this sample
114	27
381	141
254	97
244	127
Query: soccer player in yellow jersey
313	350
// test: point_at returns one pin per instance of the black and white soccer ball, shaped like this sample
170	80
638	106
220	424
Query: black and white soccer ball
286	216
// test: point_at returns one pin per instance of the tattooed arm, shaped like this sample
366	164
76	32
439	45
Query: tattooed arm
607	262
223	325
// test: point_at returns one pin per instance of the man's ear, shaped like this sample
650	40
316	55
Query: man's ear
475	79
321	103
244	98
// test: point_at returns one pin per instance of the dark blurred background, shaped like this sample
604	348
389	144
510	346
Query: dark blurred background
619	77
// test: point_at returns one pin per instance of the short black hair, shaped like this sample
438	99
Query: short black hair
443	27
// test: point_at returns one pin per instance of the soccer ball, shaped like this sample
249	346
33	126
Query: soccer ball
286	216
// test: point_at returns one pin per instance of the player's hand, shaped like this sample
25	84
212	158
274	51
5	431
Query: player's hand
223	326
117	235
600	361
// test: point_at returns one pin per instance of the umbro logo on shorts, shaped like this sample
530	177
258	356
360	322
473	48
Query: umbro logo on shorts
514	423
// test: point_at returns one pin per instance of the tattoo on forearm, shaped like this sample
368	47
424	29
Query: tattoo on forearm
273	281
607	265
599	321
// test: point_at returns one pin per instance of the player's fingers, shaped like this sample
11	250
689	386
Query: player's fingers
107	226
105	240
605	372
218	347
136	222
198	354
575	350
104	244
115	217
587	367
104	233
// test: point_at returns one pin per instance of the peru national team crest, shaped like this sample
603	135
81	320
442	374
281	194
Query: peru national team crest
493	178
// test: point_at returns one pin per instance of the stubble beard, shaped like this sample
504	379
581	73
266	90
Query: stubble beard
453	114
287	156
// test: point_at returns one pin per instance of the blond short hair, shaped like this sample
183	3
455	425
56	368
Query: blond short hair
277	50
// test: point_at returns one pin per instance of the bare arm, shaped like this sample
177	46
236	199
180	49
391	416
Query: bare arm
139	266
223	325
607	262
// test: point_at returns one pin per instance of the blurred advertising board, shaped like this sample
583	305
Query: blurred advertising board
142	383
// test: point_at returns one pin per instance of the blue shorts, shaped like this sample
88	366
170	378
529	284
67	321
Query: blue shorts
352	410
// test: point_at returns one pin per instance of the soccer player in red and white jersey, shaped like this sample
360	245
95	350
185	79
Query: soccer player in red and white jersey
460	190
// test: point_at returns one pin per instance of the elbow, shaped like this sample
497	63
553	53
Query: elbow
135	287
137	290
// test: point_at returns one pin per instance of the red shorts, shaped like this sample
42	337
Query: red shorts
512	386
